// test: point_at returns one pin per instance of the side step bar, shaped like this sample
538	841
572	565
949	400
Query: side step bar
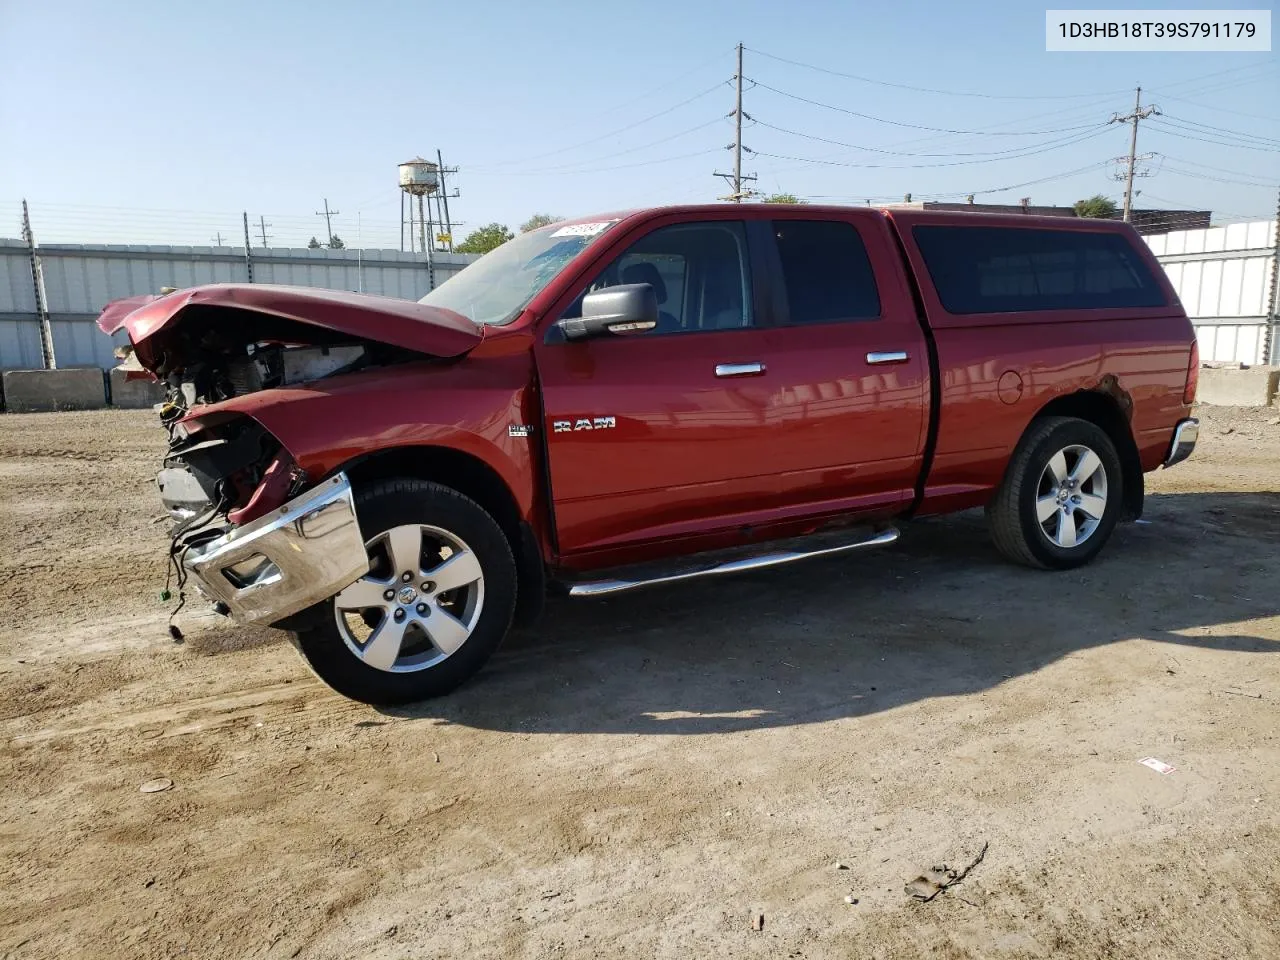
599	588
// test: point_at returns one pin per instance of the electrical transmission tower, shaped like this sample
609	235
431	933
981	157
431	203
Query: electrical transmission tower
736	179
1139	113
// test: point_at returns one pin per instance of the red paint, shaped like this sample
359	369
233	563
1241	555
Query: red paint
695	461
153	322
270	493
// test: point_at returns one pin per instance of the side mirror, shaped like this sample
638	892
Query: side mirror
623	310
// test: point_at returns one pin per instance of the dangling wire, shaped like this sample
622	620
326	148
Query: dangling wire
177	562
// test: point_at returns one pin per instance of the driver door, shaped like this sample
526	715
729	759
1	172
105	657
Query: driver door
661	435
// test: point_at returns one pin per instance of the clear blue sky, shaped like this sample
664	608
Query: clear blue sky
161	121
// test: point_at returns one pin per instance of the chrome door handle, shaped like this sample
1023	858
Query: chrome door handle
888	356
738	369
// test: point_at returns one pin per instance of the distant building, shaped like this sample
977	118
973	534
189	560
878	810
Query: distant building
1144	221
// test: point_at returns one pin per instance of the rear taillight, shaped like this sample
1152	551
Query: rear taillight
1193	375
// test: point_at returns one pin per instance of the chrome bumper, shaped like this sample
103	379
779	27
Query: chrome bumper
280	564
1184	441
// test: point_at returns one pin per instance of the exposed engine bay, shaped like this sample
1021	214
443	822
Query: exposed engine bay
227	463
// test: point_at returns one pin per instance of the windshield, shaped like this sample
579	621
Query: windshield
499	285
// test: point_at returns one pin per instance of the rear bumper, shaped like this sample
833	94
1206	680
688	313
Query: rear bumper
278	565
1185	435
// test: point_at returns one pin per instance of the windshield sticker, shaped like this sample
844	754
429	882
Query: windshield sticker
584	229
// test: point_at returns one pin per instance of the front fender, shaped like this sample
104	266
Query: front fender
468	405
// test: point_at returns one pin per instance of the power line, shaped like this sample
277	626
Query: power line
1181	132
908	153
1205	176
611	133
1220	131
900	123
1218	73
577	166
907	86
1208	166
1217	109
1029	152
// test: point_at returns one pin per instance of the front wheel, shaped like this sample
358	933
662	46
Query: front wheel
436	602
1061	495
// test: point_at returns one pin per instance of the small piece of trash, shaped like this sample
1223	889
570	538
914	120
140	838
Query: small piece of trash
1145	523
1159	766
1200	596
757	921
851	899
840	866
1241	693
437	756
939	878
156	786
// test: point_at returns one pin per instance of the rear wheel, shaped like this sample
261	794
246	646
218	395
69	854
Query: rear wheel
435	604
1061	495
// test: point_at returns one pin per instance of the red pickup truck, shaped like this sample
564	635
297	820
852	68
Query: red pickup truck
640	398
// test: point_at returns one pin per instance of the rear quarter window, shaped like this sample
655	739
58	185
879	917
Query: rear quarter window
1015	269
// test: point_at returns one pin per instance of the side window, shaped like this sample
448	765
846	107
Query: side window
1013	269
698	270
826	270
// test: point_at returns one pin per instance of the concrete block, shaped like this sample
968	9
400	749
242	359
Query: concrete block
1246	387
134	394
32	391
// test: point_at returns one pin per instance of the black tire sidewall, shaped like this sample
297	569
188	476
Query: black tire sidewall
388	504
1066	434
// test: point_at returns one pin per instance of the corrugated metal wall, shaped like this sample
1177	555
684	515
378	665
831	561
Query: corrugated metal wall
80	279
1223	277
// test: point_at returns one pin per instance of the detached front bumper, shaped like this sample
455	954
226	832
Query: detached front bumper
1185	435
278	565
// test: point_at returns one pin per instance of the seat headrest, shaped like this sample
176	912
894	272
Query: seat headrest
646	273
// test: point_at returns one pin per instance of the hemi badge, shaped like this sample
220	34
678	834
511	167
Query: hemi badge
519	430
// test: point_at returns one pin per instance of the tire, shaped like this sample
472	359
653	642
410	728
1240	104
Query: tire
1040	522
391	638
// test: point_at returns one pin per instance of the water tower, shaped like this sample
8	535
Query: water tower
418	178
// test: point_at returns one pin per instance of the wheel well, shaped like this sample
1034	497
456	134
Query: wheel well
1108	408
471	476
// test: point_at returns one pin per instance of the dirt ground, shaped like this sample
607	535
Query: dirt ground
643	776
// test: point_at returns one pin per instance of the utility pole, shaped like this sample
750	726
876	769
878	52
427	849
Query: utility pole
218	238
248	250
262	227
444	195
328	219
37	282
1139	113
736	179
1273	305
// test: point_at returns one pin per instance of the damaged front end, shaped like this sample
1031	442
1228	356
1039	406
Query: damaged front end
256	538
259	538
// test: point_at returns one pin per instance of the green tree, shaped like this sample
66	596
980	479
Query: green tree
1097	206
313	244
485	238
335	243
783	198
539	220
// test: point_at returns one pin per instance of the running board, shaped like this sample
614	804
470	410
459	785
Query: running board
599	588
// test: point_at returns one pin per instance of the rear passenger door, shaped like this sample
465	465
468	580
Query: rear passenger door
847	361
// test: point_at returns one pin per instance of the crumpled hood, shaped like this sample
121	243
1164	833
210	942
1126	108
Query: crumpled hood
155	324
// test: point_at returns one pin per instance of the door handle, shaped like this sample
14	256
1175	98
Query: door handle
739	369
888	356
